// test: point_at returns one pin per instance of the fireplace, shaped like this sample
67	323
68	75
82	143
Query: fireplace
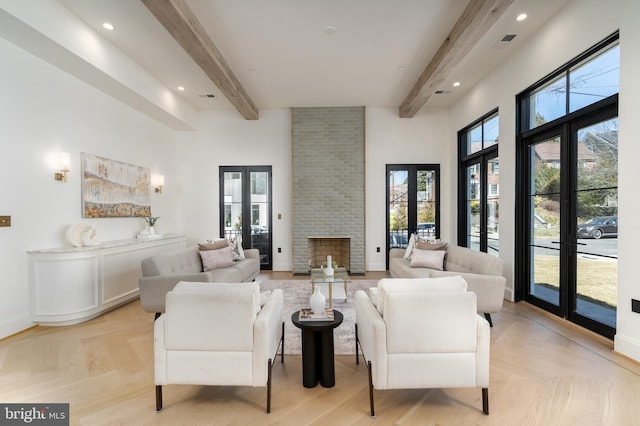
327	148
339	248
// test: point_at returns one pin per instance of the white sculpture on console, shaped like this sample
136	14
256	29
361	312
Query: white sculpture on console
82	235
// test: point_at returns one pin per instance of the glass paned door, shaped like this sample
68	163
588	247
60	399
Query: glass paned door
473	175
412	203
482	202
426	184
544	222
492	216
398	208
246	208
260	201
596	197
573	222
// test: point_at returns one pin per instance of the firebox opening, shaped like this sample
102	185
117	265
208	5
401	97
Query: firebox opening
339	248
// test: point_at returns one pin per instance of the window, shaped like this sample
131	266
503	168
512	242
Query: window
589	80
567	191
479	184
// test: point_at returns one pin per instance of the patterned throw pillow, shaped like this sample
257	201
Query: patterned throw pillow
236	247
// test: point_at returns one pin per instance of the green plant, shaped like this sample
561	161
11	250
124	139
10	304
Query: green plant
151	220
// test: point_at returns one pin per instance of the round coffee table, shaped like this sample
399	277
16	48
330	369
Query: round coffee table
317	350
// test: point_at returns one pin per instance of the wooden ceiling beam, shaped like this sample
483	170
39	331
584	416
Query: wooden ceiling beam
475	21
182	24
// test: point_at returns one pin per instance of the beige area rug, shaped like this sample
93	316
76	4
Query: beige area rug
296	296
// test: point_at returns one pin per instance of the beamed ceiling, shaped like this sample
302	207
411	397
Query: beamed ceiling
256	54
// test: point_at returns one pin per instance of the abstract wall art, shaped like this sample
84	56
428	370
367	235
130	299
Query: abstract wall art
112	188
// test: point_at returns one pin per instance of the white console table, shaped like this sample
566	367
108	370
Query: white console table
72	285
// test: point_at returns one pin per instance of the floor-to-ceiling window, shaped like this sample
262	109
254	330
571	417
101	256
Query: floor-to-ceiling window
245	207
413	203
479	185
567	190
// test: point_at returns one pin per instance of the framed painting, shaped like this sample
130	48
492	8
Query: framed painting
112	188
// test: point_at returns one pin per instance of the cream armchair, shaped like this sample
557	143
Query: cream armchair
422	333
218	334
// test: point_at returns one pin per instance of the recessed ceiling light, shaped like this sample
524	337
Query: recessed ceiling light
107	26
329	30
180	88
456	84
402	68
521	17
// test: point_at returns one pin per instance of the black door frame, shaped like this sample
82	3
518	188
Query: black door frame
412	186
246	207
566	127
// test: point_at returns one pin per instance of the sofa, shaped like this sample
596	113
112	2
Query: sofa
481	271
161	273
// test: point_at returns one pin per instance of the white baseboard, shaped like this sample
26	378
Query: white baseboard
15	325
282	267
508	294
627	346
374	267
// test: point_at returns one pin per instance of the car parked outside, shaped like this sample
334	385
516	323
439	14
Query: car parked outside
398	239
598	227
426	229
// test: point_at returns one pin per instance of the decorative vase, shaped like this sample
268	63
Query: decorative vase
152	230
317	301
328	270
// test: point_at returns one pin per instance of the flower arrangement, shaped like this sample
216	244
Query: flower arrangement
151	220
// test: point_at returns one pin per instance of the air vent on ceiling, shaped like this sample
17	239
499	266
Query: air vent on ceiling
504	41
207	95
442	92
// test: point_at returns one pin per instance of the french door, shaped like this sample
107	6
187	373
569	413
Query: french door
413	203
479	224
572	220
245	208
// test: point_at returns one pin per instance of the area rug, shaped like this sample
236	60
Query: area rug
296	296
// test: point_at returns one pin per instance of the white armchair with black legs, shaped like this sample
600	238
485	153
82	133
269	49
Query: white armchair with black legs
422	333
218	334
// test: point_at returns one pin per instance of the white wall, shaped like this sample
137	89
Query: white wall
224	138
43	111
574	29
393	140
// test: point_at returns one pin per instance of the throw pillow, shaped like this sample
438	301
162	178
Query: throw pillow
216	245
236	246
430	245
412	242
433	259
214	259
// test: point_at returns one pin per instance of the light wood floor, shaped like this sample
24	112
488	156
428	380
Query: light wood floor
543	372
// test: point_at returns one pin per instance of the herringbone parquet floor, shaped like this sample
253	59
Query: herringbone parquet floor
543	372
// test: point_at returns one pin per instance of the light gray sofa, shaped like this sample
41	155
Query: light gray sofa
481	271
161	273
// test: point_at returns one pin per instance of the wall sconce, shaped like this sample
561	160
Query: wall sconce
157	181
64	164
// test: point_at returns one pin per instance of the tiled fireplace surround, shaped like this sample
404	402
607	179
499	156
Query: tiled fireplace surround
328	187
